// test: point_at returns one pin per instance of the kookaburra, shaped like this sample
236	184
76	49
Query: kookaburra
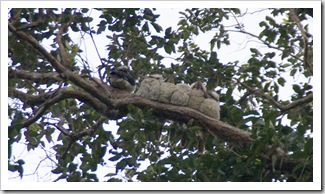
206	102
182	95
167	88
197	95
120	78
150	87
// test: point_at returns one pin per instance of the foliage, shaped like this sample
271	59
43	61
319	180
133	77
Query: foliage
134	38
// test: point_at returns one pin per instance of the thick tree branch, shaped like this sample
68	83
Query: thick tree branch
41	78
62	94
215	127
297	103
120	101
39	112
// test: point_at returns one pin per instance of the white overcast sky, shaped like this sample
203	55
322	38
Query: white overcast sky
238	50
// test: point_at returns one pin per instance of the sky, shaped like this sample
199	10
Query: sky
169	17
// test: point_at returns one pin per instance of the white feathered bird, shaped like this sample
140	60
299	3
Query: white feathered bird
120	78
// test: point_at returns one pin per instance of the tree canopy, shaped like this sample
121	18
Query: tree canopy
260	135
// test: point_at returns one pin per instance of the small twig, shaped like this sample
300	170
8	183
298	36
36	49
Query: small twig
71	141
283	108
76	136
262	94
61	129
92	39
36	116
41	110
92	129
264	42
32	25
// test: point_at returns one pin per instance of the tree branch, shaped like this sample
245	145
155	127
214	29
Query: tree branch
215	127
121	99
62	94
299	102
63	28
92	129
36	116
59	67
283	108
296	20
259	93
41	78
76	136
13	19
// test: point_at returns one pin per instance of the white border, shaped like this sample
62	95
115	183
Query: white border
316	185
161	4
193	186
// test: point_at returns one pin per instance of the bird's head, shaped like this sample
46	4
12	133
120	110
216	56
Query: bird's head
122	72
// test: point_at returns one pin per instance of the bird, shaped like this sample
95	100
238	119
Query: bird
197	95
167	88
120	78
206	102
182	95
210	105
150	87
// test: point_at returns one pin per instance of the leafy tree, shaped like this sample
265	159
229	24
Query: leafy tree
52	90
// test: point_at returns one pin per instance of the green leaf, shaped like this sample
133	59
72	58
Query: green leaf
212	44
271	20
276	88
110	174
168	49
157	27
255	51
286	130
115	158
296	88
281	81
58	170
145	27
267	85
121	165
195	128
182	22
168	31
84	10
20	170
293	72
